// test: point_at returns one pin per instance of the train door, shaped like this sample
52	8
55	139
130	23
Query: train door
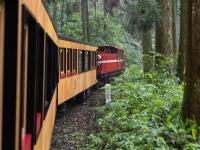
1	64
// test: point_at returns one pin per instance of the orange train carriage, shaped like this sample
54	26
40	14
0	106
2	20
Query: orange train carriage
40	70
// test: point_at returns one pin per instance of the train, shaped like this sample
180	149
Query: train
40	70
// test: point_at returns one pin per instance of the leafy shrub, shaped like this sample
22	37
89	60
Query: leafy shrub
144	114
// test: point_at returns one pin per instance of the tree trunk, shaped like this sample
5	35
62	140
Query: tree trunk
55	14
62	16
164	30
183	41
174	4
85	19
147	48
105	14
191	103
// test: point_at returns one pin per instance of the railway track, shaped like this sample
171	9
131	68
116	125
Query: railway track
75	121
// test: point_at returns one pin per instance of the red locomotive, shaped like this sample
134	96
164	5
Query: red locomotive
110	61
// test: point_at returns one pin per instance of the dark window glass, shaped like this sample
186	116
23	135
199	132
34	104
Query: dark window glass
62	62
95	59
101	49
89	60
69	62
74	62
80	57
86	61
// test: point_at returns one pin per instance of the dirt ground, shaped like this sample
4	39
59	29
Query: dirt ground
75	121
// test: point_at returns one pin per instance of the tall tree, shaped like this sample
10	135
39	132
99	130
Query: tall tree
54	3
142	16
147	49
85	19
191	103
174	14
164	30
182	41
62	17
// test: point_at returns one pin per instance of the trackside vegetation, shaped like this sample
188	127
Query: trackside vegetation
145	114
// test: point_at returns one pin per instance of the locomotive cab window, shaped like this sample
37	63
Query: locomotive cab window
62	62
119	54
113	50
69	62
101	49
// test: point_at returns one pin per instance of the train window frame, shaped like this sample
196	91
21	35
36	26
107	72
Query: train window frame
81	61
1	64
69	62
74	62
80	53
40	80
101	50
24	76
89	61
95	60
63	62
86	60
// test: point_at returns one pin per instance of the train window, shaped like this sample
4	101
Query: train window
95	59
80	68
86	61
69	62
89	60
119	54
62	62
81	61
32	80
39	80
101	49
51	71
74	71
113	50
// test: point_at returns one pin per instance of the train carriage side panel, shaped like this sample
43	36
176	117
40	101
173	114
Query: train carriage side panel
76	81
44	138
40	54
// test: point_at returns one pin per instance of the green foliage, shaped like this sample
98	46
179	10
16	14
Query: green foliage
104	29
144	114
142	15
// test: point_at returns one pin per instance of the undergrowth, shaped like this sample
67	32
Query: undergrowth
145	114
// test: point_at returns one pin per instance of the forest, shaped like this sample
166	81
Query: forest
156	101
